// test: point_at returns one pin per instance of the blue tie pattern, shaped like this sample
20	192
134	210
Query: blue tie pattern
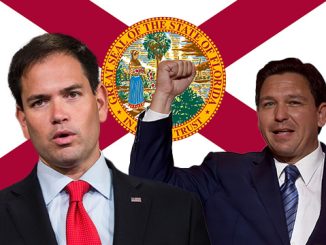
290	196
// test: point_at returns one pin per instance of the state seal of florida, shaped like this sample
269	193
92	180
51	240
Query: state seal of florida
130	67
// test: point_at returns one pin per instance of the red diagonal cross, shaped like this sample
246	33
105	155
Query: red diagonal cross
236	31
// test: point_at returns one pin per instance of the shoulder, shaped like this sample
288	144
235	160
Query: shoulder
229	165
323	146
27	185
234	159
158	192
171	199
157	189
6	193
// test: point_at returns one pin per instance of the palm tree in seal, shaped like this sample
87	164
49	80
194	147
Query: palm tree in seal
156	45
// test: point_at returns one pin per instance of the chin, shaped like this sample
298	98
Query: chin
68	162
282	153
64	162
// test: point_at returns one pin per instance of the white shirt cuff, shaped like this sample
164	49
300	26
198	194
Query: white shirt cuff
151	116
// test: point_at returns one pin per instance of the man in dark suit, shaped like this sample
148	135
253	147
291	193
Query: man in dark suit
276	196
74	195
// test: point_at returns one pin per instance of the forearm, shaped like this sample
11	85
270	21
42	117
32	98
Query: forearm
161	103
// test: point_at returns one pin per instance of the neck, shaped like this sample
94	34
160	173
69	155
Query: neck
75	169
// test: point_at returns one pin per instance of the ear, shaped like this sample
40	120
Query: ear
102	102
20	115
321	114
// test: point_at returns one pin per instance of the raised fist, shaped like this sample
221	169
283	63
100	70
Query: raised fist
173	77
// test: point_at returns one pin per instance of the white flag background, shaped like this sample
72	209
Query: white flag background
303	37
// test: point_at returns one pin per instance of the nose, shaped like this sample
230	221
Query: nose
281	113
58	112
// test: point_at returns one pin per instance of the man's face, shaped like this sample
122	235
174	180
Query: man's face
61	115
288	117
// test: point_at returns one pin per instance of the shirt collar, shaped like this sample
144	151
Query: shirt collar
307	166
99	176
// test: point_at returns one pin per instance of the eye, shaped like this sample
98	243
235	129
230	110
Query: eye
38	103
268	104
295	102
73	94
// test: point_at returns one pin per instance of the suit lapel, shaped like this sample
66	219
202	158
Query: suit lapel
266	184
318	235
131	209
27	209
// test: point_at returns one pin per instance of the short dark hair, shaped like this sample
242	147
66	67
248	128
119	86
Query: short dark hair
41	47
316	81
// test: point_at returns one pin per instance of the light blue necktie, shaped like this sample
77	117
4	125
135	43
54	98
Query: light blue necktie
290	196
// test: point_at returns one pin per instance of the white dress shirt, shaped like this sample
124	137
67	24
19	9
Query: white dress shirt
309	185
98	202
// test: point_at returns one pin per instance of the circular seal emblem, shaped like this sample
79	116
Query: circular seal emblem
130	67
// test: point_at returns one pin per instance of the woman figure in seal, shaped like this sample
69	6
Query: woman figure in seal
136	88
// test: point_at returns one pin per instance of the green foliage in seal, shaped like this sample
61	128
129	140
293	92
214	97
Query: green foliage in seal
185	106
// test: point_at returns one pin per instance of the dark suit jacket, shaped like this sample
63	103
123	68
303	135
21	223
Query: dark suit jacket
164	216
239	192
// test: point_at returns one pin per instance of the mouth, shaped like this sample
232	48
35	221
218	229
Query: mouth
282	131
63	137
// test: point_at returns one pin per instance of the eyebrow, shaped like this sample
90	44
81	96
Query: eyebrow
70	88
45	96
37	97
288	96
